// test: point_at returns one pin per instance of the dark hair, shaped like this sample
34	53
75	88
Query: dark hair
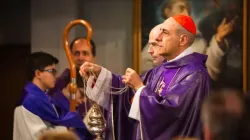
169	4
93	47
39	61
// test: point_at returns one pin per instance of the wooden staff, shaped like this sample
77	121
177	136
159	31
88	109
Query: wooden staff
73	85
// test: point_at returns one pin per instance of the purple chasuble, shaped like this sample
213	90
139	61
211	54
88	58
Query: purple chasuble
170	104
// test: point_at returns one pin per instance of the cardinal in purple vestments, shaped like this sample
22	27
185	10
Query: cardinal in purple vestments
163	103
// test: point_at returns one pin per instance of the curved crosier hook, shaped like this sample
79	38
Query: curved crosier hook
73	85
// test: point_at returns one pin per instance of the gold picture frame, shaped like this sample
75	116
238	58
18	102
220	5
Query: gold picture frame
137	41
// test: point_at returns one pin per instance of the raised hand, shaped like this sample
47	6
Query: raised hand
88	69
132	79
224	29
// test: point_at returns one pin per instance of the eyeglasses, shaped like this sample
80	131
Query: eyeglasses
52	71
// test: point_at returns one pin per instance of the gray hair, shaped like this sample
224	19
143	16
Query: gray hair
181	31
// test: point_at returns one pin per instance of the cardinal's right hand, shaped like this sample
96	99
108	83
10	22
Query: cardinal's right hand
88	69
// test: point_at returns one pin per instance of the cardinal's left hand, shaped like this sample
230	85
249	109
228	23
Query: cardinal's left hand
132	79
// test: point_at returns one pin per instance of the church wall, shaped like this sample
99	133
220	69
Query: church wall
111	21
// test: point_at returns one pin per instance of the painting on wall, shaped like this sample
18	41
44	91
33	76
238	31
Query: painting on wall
221	34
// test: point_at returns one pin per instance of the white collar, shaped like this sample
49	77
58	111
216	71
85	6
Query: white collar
187	51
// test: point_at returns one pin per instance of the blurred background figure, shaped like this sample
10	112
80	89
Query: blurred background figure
53	135
225	116
223	27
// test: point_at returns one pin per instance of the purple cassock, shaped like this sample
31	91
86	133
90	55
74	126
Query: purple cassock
62	103
169	105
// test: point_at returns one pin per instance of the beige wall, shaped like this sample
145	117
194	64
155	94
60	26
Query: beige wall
111	21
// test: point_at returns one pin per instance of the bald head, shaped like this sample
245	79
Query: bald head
155	32
153	45
57	135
